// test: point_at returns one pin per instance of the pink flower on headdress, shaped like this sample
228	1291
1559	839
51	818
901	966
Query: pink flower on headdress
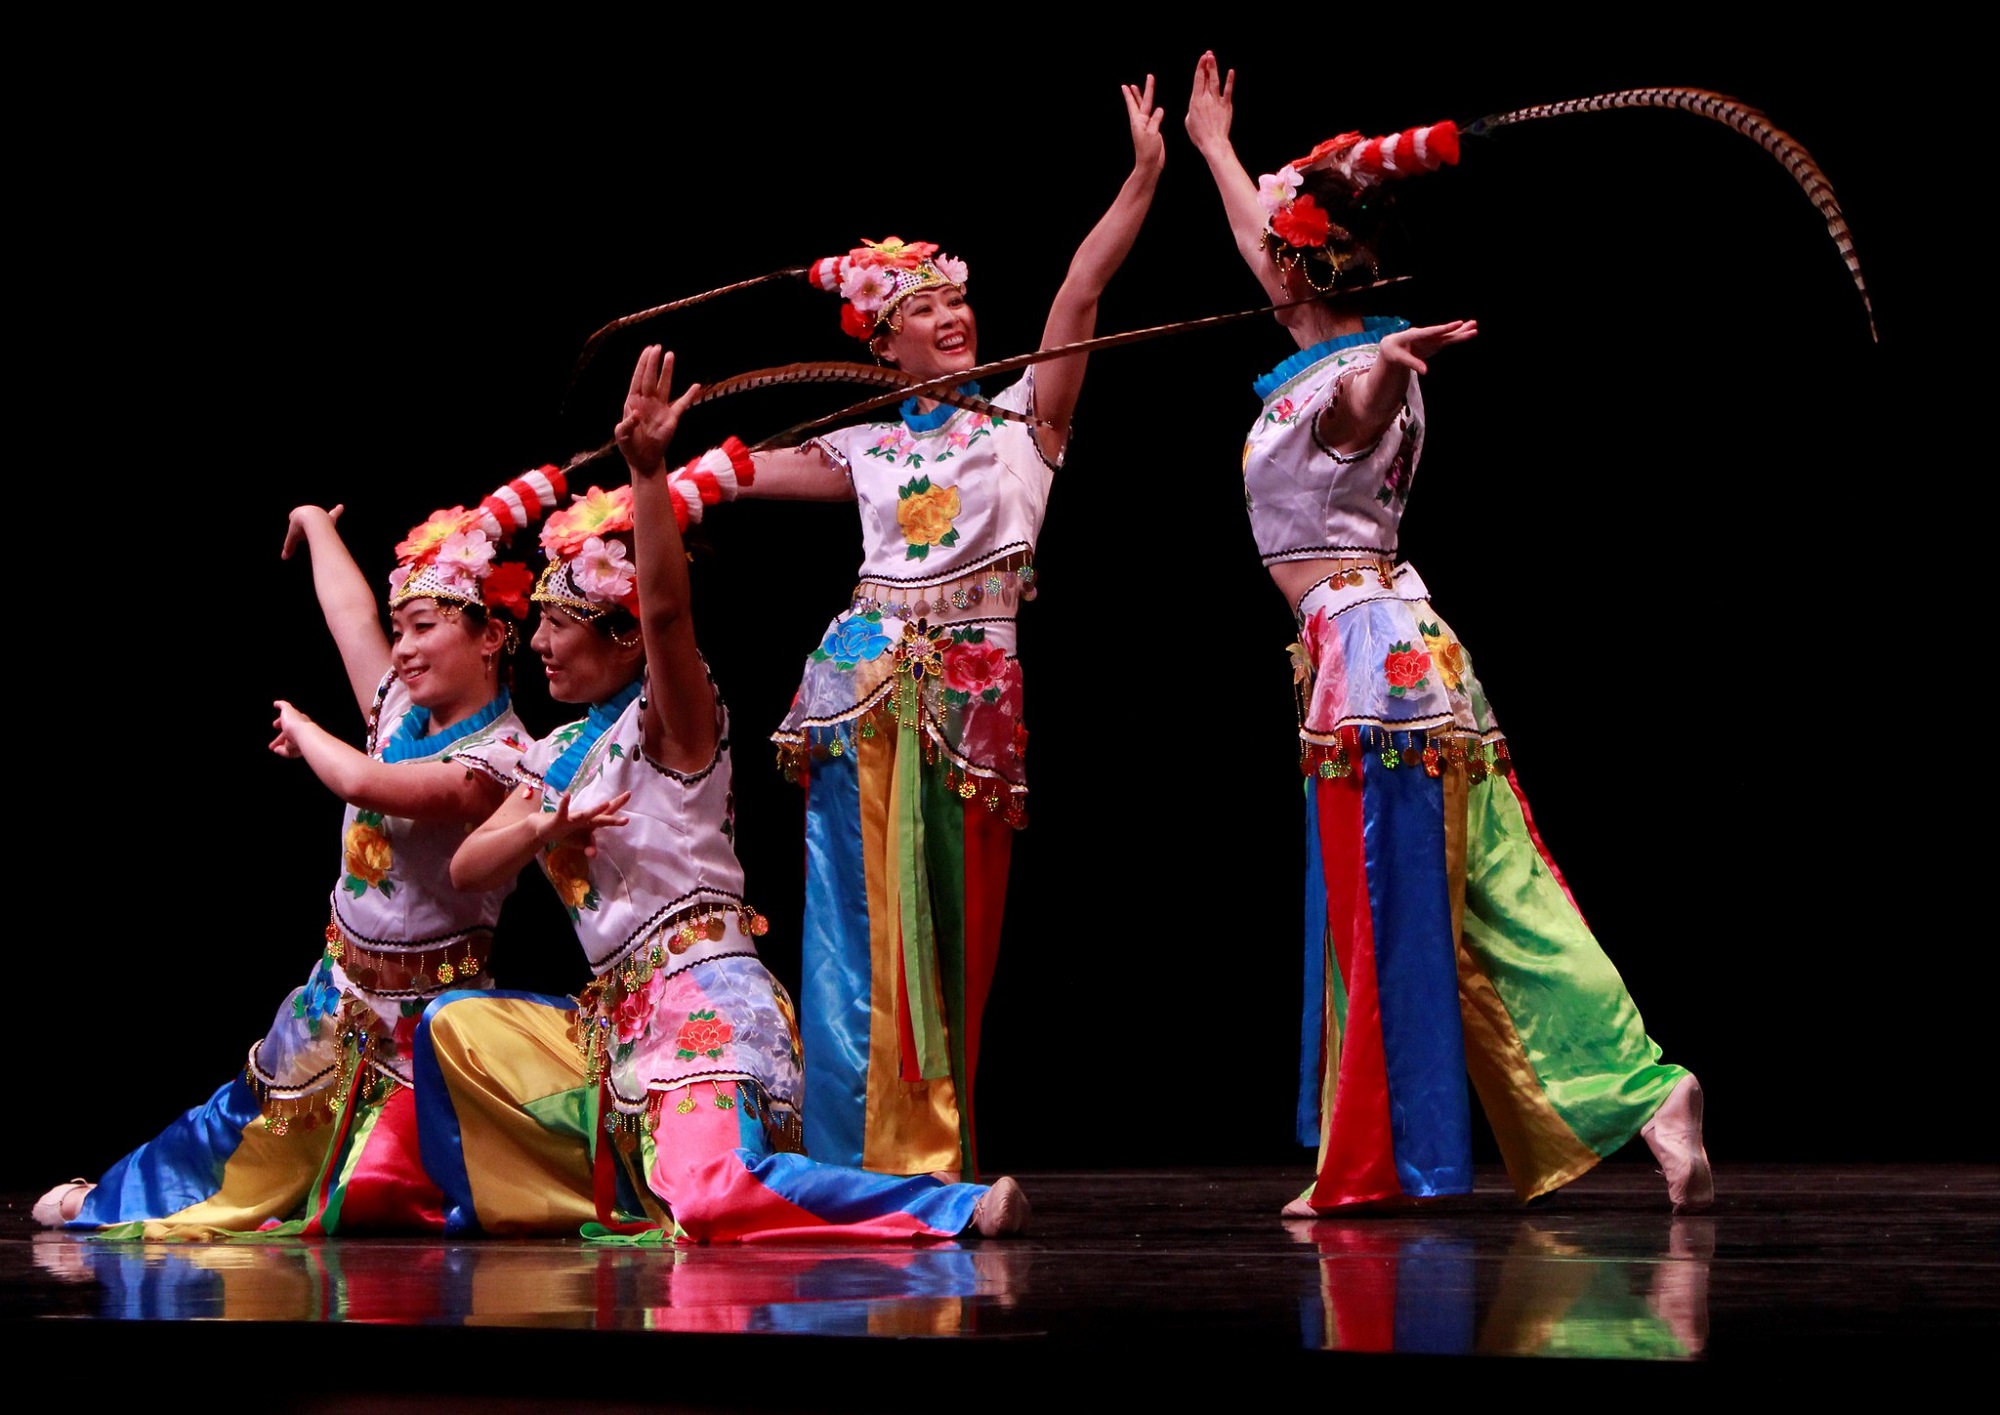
602	572
892	250
951	268
866	287
1302	223
423	541
596	513
1275	190
462	560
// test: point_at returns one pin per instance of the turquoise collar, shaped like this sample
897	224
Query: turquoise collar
596	723
412	739
1373	328
921	423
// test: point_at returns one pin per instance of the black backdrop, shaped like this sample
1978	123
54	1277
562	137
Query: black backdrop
361	272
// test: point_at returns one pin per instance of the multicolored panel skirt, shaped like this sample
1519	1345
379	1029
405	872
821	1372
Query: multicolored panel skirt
522	1141
1441	941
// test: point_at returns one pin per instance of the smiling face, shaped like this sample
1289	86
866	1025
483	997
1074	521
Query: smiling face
448	658
933	334
581	663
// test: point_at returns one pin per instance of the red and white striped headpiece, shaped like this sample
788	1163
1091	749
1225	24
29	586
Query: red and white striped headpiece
1365	161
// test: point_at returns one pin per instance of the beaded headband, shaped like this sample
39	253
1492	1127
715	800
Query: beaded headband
1328	211
877	276
450	557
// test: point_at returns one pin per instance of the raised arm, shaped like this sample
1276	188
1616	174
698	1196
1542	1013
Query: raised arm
678	727
1371	399
1073	314
420	791
344	598
1211	108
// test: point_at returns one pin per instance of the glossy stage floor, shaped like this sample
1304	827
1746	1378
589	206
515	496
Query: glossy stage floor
1142	1284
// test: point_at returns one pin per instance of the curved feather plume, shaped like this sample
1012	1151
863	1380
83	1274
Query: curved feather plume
1737	115
589	350
898	382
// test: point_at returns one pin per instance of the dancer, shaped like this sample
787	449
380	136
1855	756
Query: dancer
1440	937
317	1133
664	1100
907	729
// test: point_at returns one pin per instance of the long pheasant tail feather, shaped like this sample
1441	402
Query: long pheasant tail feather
1742	118
590	345
945	389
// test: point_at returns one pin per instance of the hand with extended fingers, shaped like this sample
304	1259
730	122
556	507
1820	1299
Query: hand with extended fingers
288	721
1411	347
1211	104
564	826
1149	149
652	413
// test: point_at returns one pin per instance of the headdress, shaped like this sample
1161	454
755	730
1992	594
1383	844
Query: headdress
590	567
877	276
1331	210
450	557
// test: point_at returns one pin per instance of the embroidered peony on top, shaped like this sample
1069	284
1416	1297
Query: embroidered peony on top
1307	501
946	492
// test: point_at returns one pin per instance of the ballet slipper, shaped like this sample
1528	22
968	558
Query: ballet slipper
1002	1211
1300	1207
1674	1136
62	1203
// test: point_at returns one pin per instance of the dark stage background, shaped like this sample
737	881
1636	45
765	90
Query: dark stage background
363	275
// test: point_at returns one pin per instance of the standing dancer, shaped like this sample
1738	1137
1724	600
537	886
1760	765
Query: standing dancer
907	729
663	1100
318	1129
1440	937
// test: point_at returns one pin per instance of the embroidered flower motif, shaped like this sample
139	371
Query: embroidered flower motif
317	1000
568	869
926	512
596	513
972	666
1282	411
856	639
1396	480
1447	655
365	849
1275	189
602	571
1406	668
1305	652
1302	223
703	1034
634	1012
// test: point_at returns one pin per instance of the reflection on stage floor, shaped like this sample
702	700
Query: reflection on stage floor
1174	1277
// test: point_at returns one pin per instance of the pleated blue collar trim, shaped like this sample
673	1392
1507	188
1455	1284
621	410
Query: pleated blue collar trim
1373	328
595	724
411	740
921	423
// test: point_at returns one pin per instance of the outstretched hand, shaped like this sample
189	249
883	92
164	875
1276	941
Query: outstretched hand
287	723
1411	347
560	826
652	413
1149	149
1211	103
295	525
